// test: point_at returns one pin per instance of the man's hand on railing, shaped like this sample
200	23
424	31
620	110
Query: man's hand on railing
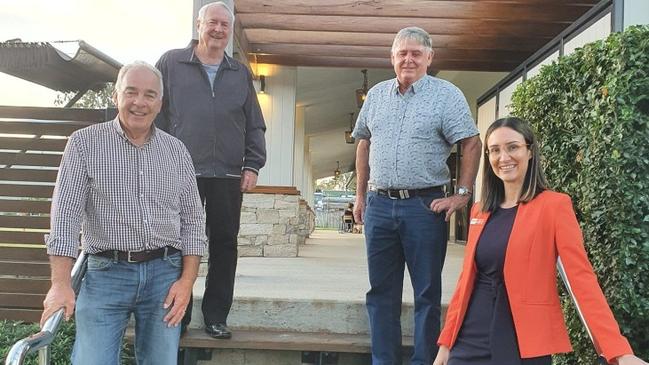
59	296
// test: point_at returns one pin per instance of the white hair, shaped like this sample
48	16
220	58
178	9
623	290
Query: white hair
137	64
416	34
203	10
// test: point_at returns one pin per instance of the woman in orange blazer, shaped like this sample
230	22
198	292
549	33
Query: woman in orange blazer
505	309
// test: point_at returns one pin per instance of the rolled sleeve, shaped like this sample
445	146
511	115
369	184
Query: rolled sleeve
192	215
68	202
361	131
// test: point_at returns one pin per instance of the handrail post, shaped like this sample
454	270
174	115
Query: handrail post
44	355
566	282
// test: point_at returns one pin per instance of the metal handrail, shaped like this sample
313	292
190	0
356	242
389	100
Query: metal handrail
564	277
41	340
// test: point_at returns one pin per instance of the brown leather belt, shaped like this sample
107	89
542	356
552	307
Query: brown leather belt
407	193
138	256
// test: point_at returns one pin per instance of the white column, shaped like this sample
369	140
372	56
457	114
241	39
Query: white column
308	177
299	171
278	107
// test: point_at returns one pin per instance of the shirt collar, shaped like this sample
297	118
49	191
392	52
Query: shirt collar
227	62
414	88
120	131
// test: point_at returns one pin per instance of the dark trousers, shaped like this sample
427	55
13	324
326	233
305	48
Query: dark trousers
222	200
400	232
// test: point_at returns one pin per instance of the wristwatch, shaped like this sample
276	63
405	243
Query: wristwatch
463	191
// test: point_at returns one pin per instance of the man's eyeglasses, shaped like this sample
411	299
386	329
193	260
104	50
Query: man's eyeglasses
511	149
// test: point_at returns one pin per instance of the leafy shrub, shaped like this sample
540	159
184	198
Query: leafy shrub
591	112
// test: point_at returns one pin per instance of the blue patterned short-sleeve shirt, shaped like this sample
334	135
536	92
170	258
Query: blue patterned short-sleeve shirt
411	135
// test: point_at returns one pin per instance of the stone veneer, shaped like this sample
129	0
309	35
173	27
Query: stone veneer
274	225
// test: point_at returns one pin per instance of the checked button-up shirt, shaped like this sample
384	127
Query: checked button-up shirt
124	197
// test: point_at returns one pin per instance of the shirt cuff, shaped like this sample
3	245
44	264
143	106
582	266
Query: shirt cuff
256	171
57	247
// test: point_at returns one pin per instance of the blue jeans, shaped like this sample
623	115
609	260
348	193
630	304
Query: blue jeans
110	292
400	232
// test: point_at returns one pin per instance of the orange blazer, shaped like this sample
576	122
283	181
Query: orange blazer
543	229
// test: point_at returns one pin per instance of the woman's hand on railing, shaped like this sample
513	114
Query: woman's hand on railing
59	296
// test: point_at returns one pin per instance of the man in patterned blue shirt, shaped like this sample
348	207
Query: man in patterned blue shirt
406	130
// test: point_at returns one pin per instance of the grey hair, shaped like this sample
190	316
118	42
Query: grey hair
133	65
203	10
416	34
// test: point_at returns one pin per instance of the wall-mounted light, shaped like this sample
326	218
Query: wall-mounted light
262	84
348	134
337	170
361	93
259	83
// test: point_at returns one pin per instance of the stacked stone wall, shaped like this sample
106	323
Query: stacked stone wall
274	225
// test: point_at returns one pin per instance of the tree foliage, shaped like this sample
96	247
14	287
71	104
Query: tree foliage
91	100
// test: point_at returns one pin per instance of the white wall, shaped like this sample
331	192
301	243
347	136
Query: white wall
533	71
299	174
636	12
598	30
278	107
505	98
486	116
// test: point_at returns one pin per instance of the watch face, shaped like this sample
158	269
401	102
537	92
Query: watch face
463	191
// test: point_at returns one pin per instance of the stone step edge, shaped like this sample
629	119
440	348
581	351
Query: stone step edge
303	300
278	340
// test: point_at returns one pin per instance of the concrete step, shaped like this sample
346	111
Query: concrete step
323	290
301	315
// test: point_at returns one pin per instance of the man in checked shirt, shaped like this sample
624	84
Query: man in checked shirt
131	189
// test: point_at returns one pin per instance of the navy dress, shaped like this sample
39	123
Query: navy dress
487	335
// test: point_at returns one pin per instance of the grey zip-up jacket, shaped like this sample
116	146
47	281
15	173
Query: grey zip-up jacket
222	127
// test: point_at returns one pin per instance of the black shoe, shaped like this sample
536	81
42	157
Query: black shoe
218	330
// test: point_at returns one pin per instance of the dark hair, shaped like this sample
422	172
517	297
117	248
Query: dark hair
493	189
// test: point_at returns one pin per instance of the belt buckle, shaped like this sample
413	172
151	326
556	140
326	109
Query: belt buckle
390	194
128	257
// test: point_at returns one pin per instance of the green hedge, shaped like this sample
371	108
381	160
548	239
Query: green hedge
61	348
591	112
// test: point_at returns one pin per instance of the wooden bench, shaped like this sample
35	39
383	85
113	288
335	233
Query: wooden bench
316	348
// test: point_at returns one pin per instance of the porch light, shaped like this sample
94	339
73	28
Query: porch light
262	84
337	170
259	83
361	93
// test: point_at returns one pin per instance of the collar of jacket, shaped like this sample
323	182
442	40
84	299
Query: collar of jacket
190	57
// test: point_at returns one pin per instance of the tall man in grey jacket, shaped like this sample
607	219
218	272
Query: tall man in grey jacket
210	104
